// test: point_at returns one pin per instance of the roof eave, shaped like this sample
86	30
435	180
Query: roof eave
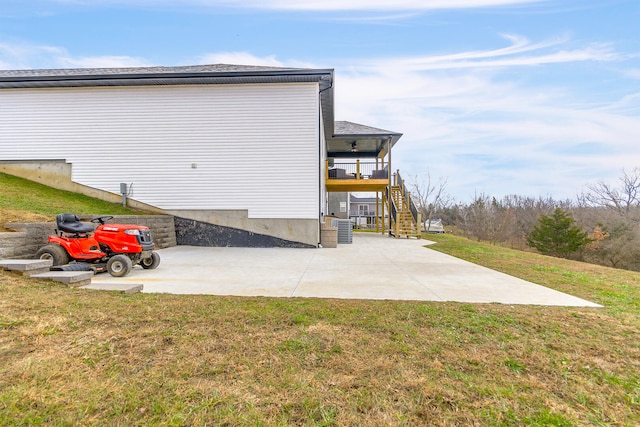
324	77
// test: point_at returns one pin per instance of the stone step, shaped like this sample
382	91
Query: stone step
70	278
40	269
125	288
26	267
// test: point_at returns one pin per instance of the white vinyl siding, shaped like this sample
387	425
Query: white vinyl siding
208	147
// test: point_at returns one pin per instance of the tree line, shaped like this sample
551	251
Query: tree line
604	220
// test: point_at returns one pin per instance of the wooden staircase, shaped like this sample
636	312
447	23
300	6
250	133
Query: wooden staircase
405	220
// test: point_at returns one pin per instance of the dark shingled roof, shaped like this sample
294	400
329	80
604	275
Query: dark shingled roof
189	69
369	141
343	128
142	76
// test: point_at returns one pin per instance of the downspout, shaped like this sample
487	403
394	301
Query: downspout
321	166
377	195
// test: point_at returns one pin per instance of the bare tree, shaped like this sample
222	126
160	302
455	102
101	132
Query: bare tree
623	199
429	197
614	210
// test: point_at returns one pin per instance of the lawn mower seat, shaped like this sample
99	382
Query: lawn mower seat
70	223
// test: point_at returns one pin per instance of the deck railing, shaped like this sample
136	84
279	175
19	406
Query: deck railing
369	214
358	170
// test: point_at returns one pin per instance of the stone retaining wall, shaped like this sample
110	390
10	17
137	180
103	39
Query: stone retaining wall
26	238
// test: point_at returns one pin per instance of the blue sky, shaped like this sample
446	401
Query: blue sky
534	98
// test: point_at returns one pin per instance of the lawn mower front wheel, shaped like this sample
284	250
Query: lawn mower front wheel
119	265
150	262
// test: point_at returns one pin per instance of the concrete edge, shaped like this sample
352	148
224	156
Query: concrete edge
125	288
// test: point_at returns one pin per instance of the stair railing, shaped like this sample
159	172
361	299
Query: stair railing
393	210
407	197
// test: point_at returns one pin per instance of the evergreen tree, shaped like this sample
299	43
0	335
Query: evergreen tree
557	235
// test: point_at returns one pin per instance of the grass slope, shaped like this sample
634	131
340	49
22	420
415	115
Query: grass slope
22	200
72	357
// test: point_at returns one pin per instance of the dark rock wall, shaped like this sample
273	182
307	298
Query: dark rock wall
195	233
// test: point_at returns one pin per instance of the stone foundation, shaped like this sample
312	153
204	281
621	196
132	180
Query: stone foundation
302	231
196	233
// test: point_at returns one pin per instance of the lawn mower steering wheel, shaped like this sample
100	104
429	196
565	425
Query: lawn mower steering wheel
102	219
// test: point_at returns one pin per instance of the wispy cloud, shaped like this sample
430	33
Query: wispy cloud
246	58
239	58
322	5
375	17
107	61
520	52
21	55
372	4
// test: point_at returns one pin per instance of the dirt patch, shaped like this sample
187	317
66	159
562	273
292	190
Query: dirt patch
17	215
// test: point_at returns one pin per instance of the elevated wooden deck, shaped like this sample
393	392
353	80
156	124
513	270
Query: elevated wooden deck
357	176
346	185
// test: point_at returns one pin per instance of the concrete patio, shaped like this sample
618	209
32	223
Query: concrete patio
373	267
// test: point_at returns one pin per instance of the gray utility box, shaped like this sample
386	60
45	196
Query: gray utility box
345	231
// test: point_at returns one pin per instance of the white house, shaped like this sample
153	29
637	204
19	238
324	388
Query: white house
243	149
362	210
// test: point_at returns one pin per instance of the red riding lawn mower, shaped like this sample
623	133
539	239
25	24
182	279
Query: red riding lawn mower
114	247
